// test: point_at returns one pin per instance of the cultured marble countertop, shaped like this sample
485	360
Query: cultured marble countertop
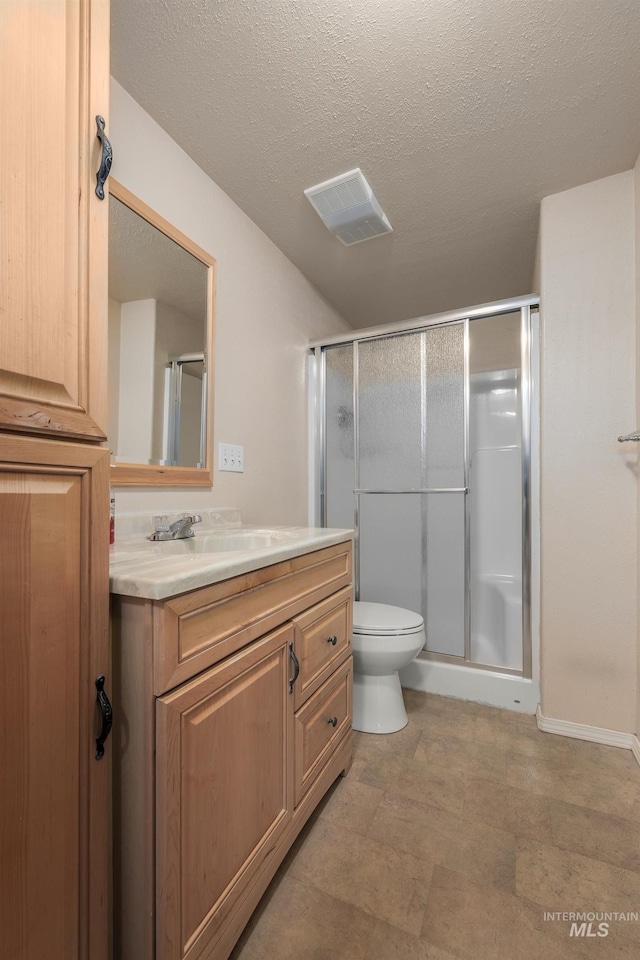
155	570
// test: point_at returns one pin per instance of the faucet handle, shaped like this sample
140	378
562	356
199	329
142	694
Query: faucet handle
188	520
161	523
181	529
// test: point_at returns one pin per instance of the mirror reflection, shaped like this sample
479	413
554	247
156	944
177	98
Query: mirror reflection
157	345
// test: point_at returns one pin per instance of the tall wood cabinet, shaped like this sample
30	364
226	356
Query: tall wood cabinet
54	814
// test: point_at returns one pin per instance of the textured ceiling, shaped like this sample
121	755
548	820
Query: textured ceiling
462	115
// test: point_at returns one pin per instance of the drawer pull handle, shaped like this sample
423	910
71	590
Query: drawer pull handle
332	640
296	667
333	721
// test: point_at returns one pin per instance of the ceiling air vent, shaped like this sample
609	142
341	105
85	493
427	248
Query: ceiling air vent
348	208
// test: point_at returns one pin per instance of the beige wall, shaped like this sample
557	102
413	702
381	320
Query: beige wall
494	344
266	313
588	480
135	388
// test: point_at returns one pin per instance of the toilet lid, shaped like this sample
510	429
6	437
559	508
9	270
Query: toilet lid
381	618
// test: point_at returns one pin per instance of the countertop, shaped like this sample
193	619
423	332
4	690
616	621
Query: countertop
155	570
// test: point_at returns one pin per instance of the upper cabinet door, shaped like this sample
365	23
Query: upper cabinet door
54	81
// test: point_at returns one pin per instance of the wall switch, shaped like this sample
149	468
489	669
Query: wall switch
231	457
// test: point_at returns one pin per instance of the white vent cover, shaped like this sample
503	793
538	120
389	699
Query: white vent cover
348	208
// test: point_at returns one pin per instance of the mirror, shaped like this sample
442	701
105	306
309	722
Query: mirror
161	290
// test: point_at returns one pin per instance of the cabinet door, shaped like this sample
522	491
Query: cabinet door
224	790
54	75
54	643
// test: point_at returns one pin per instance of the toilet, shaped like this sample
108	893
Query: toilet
385	638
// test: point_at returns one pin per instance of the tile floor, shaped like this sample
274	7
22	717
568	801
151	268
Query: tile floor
451	838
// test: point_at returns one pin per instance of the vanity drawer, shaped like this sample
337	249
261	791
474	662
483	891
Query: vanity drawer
322	641
197	629
319	724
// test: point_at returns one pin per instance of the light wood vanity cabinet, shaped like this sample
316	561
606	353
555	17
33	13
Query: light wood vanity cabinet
236	703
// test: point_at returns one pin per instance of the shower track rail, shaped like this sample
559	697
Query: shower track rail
496	309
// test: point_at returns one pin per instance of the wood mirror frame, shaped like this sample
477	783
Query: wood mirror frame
151	475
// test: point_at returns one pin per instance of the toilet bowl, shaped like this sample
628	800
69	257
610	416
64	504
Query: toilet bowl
385	638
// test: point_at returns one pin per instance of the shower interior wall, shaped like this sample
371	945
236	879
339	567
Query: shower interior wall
496	519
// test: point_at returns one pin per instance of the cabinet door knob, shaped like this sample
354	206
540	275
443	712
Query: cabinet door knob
107	717
107	158
333	721
332	640
296	667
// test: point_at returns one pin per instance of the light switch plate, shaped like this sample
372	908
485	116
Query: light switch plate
231	457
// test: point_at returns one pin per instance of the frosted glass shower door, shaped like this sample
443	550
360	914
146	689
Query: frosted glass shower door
339	451
410	478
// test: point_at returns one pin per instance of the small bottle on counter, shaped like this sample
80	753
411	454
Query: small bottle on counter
112	516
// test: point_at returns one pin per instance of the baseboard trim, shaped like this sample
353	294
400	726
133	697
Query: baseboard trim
582	731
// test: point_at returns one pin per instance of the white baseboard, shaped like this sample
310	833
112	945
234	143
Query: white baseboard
469	683
582	731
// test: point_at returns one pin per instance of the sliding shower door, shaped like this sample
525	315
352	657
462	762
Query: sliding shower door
395	442
338	483
426	455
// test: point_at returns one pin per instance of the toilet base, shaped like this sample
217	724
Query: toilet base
378	706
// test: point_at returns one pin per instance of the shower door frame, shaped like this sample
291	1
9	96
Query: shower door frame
523	305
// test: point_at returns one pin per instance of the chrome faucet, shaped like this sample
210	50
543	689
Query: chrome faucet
178	530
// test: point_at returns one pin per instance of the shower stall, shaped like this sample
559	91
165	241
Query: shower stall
424	446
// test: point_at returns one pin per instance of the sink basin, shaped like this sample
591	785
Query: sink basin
223	541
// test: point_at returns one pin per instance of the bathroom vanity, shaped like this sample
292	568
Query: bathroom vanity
233	684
